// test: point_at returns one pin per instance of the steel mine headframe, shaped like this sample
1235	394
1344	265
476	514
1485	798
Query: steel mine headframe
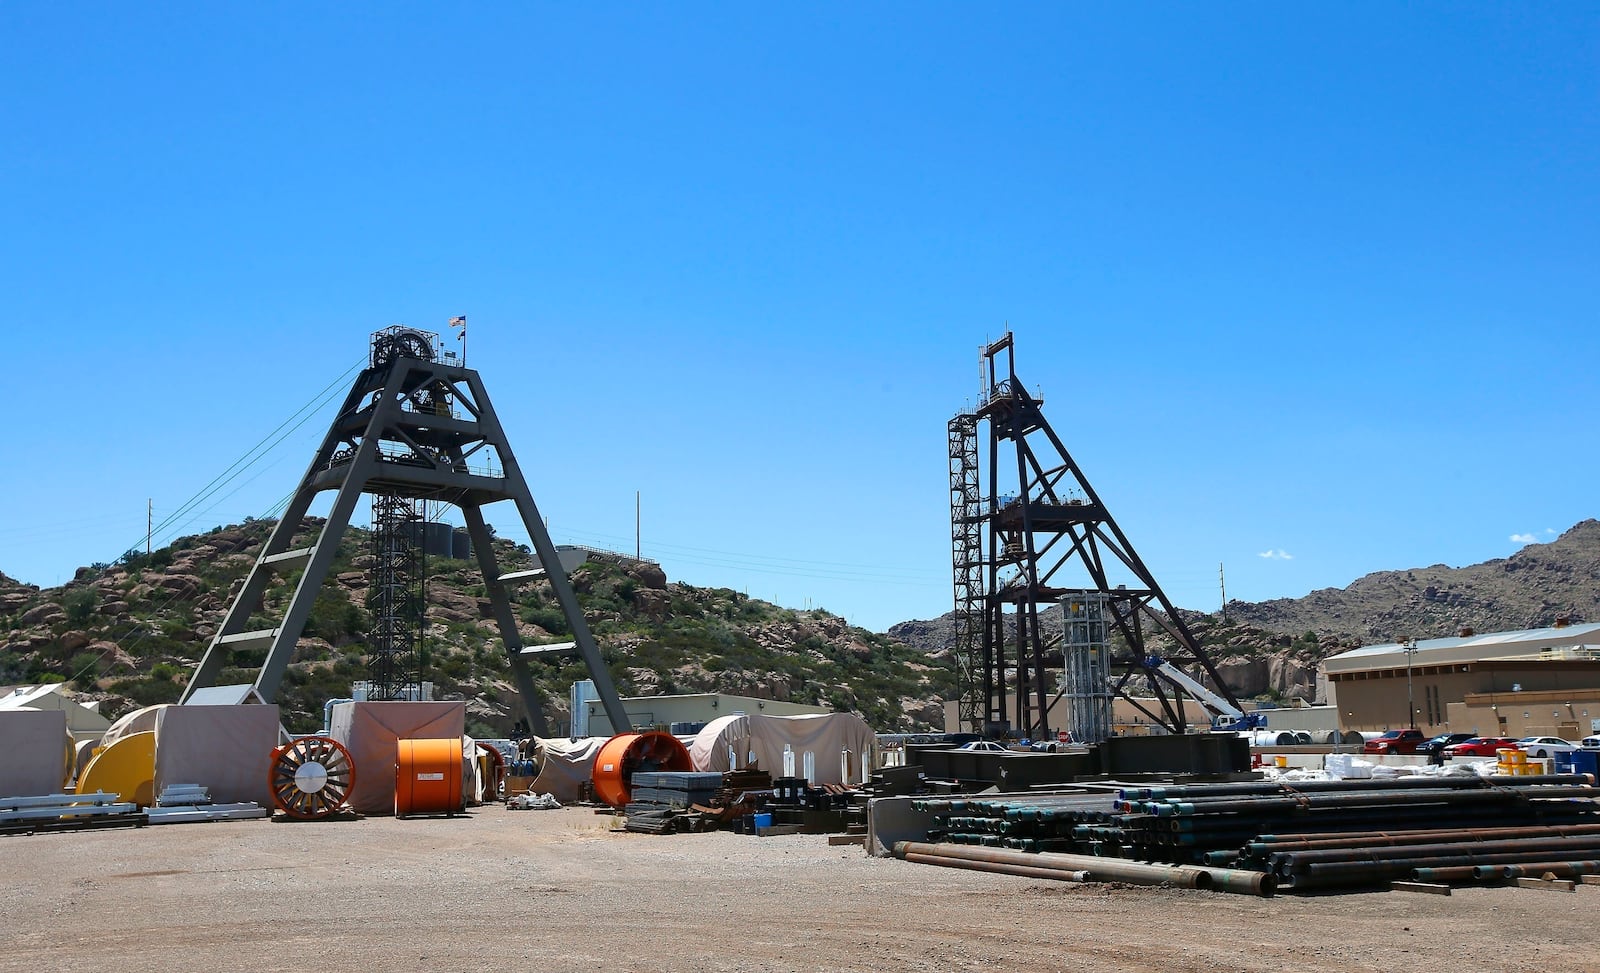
414	428
1027	529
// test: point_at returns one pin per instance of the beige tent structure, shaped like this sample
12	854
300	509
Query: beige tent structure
138	721
841	745
33	760
83	720
226	749
372	733
564	766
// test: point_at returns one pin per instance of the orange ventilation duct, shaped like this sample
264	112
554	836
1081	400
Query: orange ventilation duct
626	753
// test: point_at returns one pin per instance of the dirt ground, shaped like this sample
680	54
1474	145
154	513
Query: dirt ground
558	890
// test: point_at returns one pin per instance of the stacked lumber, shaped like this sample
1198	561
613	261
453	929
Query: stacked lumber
741	794
664	819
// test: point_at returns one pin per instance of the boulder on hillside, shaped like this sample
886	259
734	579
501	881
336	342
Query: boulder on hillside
648	574
645	682
924	713
181	585
652	604
46	614
1246	677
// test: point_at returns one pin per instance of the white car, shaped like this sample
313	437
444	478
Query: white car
988	746
1545	746
1590	743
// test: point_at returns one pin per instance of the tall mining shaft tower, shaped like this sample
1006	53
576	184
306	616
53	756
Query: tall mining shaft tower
1028	533
415	426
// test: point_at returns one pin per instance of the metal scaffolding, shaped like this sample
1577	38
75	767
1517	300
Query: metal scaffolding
397	599
966	544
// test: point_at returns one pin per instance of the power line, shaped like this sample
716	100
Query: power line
255	453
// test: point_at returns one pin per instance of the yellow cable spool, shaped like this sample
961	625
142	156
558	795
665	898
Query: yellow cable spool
127	767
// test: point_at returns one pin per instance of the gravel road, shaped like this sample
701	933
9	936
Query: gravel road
559	890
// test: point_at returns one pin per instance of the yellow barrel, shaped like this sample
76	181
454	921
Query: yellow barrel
428	777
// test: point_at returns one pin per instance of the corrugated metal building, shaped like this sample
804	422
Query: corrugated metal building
1486	684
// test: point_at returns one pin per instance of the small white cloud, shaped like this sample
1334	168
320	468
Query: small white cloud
1551	531
1524	539
1276	555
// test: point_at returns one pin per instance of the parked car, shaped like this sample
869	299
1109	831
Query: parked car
988	746
1435	745
1590	743
1395	741
1479	747
1546	746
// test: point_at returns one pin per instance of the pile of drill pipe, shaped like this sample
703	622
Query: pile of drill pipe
1232	825
1027	822
1328	834
1082	868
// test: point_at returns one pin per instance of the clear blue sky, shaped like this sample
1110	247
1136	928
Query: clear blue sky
1313	283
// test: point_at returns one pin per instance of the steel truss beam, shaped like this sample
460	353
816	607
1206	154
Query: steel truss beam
1054	521
397	433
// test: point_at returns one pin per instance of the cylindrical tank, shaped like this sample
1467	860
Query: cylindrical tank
428	777
625	753
435	539
1273	738
461	544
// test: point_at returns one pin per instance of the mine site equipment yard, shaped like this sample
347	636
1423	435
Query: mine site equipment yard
560	890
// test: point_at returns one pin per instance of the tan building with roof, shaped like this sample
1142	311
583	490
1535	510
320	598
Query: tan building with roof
1535	681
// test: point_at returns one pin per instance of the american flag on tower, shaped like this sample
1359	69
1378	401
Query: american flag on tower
459	321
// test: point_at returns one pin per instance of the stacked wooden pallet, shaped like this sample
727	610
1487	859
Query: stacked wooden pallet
741	793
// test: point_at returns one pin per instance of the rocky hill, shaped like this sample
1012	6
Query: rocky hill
1271	648
1529	589
129	634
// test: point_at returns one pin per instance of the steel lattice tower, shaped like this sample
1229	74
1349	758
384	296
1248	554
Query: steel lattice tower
1040	521
397	598
966	556
417	427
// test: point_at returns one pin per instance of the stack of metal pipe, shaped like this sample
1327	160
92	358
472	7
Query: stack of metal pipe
1311	834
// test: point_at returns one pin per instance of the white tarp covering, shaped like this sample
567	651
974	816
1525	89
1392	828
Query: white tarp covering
372	733
33	757
81	720
564	765
740	741
226	749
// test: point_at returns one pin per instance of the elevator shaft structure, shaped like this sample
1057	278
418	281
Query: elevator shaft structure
417	428
397	599
1027	529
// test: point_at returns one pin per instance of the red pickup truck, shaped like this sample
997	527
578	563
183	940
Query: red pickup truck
1395	741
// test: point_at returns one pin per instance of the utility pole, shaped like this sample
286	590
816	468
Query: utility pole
1222	584
149	521
1411	711
637	547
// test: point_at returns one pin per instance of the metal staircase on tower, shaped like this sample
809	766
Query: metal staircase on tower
1029	532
